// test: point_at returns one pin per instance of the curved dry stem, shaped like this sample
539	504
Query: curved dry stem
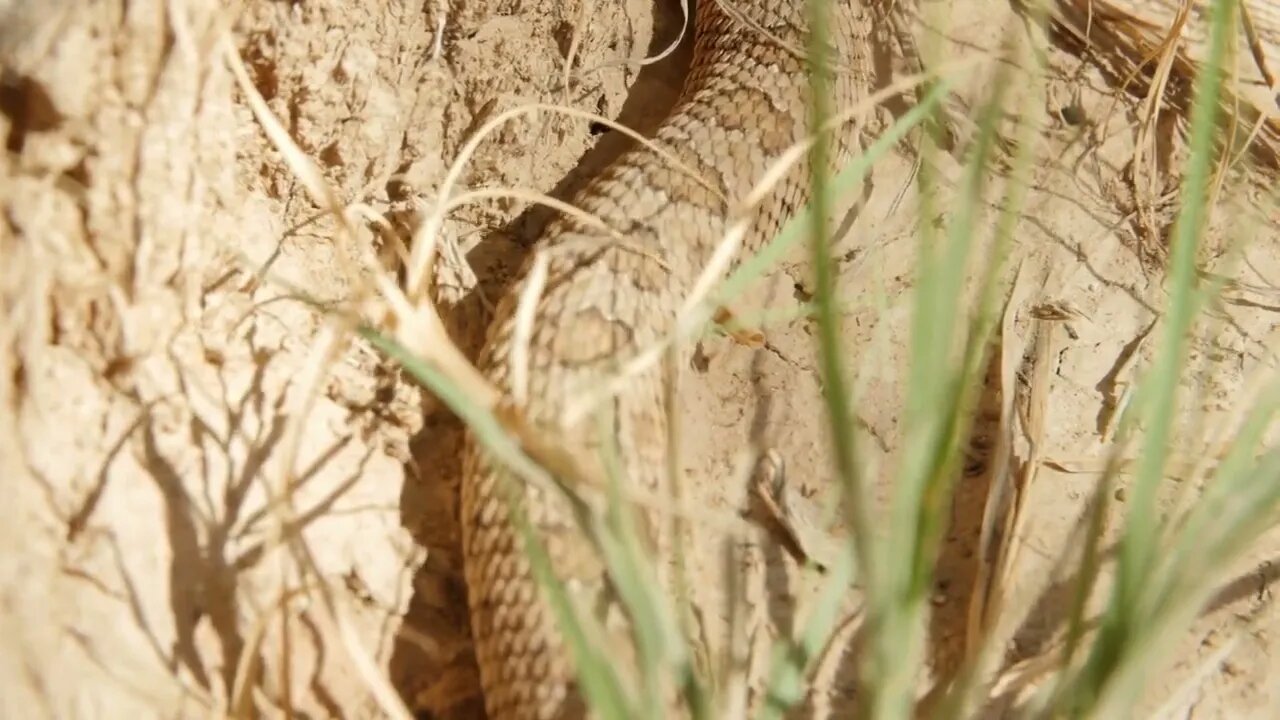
379	221
424	241
250	655
302	166
531	196
526	314
644	61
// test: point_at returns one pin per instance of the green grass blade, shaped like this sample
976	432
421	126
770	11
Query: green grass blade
846	181
600	683
792	658
1129	612
658	640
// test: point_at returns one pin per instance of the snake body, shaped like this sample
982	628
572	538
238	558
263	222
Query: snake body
607	294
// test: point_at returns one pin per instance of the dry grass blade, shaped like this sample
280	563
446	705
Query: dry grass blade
1128	36
1002	517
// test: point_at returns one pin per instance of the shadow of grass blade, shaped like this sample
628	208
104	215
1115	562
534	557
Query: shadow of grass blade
600	683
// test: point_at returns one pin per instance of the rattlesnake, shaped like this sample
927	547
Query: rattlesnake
608	294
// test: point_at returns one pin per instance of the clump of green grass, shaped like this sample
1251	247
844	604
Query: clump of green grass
1165	564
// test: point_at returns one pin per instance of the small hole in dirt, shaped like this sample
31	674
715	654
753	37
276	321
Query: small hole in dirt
331	155
19	379
80	173
699	361
1072	114
262	67
598	128
563	35
29	108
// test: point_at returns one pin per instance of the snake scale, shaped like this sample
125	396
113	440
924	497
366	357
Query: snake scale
608	294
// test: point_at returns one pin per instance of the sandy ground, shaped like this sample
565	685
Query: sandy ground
164	384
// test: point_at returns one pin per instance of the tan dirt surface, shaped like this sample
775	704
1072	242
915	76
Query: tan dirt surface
163	381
